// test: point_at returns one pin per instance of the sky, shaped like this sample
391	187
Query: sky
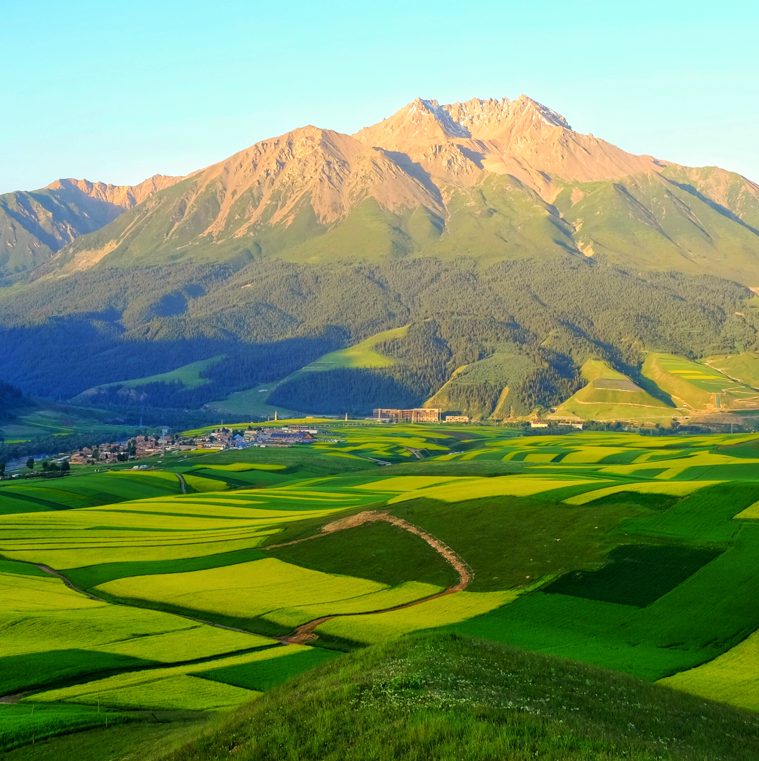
119	91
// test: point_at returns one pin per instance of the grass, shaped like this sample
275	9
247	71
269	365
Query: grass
90	490
731	678
94	575
30	671
53	635
635	574
743	367
20	724
442	611
668	488
514	486
377	551
248	590
188	375
154	691
701	618
147	739
610	395
359	356
263	675
172	688
510	543
429	698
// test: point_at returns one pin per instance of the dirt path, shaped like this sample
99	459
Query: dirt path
305	632
51	572
182	482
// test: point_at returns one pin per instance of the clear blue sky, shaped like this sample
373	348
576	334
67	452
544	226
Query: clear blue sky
118	91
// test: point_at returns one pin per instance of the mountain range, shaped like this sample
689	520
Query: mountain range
329	238
492	179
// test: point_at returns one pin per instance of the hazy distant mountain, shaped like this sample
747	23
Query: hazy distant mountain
35	225
491	179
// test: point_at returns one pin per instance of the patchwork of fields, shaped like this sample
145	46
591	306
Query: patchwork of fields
123	594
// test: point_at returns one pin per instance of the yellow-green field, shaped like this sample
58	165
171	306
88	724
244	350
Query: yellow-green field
611	395
630	551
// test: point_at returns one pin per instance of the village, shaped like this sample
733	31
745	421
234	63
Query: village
142	447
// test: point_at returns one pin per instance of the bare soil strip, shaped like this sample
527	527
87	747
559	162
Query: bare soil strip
305	632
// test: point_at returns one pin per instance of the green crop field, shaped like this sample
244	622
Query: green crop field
188	375
627	551
698	386
611	395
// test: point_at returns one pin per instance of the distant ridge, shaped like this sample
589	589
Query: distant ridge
35	225
489	179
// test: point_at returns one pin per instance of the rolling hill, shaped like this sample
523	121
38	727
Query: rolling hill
611	395
437	697
696	386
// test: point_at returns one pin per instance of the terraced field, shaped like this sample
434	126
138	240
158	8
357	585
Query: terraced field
610	395
119	592
698	386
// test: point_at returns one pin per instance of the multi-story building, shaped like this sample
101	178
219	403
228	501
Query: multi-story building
416	415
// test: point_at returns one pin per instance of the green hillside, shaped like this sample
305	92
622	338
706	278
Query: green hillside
652	222
188	375
743	367
251	404
611	395
696	386
361	355
437	697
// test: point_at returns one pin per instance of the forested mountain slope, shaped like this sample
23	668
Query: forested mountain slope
513	247
271	318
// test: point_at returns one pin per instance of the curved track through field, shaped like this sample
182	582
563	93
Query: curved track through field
305	632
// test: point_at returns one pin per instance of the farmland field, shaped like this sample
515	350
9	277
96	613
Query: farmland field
698	386
610	395
122	592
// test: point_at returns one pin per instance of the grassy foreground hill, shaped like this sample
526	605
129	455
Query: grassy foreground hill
443	696
611	395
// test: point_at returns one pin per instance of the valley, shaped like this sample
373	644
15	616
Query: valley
439	435
146	601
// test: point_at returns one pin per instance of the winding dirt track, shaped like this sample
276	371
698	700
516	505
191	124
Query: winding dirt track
305	632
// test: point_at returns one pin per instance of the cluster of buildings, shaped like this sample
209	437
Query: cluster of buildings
222	438
417	415
119	451
287	436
